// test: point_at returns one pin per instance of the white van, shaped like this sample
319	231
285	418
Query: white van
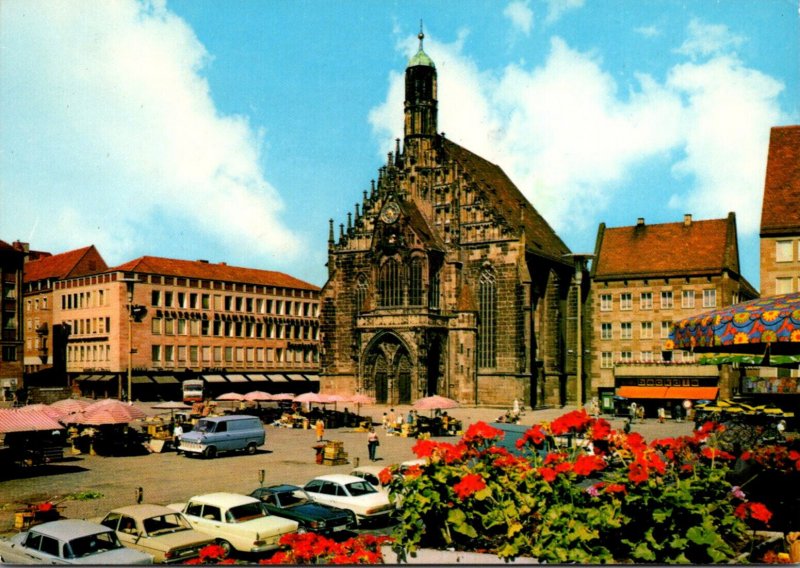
223	434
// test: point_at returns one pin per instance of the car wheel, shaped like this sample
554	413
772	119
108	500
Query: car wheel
250	449
226	546
210	452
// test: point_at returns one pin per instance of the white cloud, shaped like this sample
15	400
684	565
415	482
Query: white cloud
648	31
521	16
570	137
133	135
708	39
557	8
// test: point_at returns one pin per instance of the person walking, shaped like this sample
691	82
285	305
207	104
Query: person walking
320	427
372	444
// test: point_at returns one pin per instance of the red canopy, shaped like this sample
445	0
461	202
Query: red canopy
30	421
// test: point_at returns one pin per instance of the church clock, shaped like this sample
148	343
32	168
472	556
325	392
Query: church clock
390	213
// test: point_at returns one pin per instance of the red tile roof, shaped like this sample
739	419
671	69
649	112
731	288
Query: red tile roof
208	271
780	210
64	265
509	202
668	249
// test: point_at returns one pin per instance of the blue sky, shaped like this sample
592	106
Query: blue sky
232	131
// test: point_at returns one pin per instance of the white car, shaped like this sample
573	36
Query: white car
157	530
371	473
235	521
69	541
352	493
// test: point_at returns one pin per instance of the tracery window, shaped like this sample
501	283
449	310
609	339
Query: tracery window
362	287
415	282
487	322
390	284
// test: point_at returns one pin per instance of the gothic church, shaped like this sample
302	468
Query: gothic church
446	280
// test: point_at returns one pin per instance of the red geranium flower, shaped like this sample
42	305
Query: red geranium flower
575	421
637	472
482	431
469	484
586	464
600	429
385	476
534	435
547	473
715	453
616	488
424	448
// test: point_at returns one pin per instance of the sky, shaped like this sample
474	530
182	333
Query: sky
233	131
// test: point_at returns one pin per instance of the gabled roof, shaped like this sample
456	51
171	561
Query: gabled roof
780	210
208	271
667	249
416	220
510	203
65	265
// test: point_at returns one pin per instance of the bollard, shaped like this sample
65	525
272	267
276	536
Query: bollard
358	460
261	477
139	494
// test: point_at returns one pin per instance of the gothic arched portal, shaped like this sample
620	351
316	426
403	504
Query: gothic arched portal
387	371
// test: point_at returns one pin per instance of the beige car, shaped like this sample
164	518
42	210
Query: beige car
236	521
157	530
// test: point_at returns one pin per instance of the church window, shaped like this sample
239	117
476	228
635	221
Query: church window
391	291
362	286
487	323
433	290
415	282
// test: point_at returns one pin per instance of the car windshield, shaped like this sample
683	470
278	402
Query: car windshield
245	512
164	524
360	488
92	544
204	426
293	498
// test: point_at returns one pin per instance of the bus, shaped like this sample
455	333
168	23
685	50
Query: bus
193	390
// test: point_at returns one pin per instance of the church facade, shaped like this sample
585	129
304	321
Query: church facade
445	280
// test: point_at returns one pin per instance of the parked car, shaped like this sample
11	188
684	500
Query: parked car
352	493
157	530
223	434
292	502
235	521
69	541
371	473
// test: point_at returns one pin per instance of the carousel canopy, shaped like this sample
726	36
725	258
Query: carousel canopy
768	325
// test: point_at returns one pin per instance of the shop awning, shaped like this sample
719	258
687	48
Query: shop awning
165	379
296	377
278	378
311	377
140	380
81	377
104	378
236	378
692	393
641	392
214	379
257	377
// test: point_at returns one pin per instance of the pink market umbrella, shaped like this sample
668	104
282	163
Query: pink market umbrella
31	421
259	396
70	405
310	397
126	407
435	402
45	409
230	396
283	396
102	417
360	399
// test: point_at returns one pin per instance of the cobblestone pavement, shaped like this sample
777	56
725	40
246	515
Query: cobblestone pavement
286	457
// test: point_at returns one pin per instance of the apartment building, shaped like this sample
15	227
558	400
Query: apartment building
42	271
11	263
644	277
780	214
168	320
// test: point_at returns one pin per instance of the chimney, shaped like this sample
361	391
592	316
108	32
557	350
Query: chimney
640	222
687	220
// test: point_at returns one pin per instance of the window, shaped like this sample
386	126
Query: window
626	356
606	360
415	282
625	330
687	299
362	286
193	354
206	354
181	353
156	355
709	298
784	285
167	299
646	330
646	301
626	301
487	319
783	251
665	327
646	357
181	299
169	326
605	331
667	300
155	324
389	285
169	354
605	302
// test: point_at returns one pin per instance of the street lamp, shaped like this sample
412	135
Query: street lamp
135	313
579	262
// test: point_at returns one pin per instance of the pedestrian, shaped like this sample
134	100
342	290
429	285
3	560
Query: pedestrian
626	426
662	414
515	408
372	444
633	411
320	427
177	432
385	421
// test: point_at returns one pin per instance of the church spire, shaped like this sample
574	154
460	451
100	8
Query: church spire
420	103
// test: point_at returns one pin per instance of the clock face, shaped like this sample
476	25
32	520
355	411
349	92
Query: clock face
390	213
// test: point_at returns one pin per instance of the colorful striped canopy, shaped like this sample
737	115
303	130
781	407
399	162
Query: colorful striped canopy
770	324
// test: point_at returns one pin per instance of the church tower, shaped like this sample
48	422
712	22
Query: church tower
420	103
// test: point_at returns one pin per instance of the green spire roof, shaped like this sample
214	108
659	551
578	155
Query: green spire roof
421	58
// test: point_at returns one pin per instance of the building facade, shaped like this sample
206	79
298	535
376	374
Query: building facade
445	279
12	260
43	342
168	320
780	214
644	278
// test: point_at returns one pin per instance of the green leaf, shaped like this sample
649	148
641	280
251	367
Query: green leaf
643	552
458	519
